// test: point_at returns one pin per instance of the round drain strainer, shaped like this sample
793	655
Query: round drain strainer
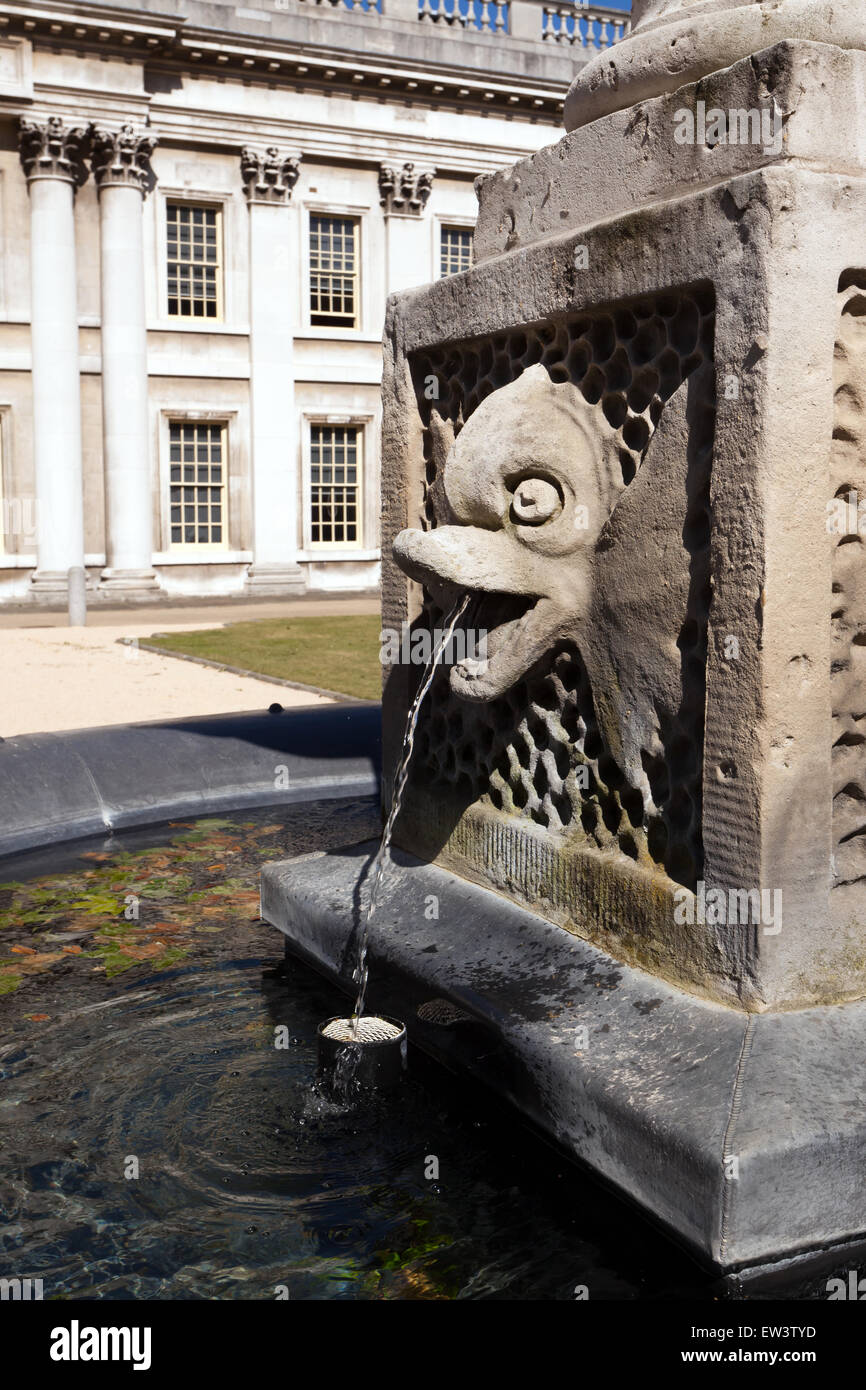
370	1030
375	1057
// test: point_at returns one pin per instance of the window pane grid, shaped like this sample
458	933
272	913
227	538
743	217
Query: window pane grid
197	484
455	250
335	484
193	261
333	271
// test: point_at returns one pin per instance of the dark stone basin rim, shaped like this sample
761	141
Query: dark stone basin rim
67	786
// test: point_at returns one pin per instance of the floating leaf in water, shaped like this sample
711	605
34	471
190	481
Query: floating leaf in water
97	901
86	924
203	882
231	887
171	957
153	948
176	886
33	963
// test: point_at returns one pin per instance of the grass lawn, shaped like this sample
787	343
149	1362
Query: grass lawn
340	654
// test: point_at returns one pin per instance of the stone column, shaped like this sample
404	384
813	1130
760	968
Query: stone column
268	182
52	156
403	195
121	167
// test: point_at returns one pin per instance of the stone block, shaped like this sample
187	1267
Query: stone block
673	757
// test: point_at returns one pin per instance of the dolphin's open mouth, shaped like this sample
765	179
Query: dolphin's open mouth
510	610
509	632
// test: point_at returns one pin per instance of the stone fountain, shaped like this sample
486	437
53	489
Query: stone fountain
631	858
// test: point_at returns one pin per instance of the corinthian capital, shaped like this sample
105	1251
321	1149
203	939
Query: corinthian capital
122	158
268	177
405	193
51	150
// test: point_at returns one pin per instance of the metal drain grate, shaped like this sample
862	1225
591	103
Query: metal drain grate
370	1030
443	1013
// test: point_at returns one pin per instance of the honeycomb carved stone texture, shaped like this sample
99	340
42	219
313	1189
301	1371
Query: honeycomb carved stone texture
848	613
538	752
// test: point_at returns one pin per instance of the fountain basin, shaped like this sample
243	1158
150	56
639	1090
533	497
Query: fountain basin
66	786
693	1110
255	1183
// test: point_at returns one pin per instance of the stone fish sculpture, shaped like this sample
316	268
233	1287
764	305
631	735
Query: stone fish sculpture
529	482
544	530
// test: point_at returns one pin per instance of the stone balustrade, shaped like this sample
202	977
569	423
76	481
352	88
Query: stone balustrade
370	7
585	26
488	16
575	22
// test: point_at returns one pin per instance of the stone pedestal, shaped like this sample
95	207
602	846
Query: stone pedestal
692	688
121	164
53	159
674	42
635	434
268	183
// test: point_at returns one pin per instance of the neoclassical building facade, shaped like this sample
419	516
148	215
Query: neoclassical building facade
202	212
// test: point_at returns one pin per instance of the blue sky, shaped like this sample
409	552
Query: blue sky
616	4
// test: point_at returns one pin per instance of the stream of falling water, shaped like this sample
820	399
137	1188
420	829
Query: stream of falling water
400	777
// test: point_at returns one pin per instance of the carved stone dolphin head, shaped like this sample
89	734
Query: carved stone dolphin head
529	483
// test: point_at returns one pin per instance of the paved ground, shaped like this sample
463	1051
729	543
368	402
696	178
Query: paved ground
56	677
197	615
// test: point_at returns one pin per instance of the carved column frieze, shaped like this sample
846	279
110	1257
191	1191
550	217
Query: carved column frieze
53	158
121	158
268	182
405	193
269	177
52	150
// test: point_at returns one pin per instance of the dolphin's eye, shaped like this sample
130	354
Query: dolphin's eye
535	500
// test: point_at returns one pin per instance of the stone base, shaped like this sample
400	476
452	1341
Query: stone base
705	38
263	580
741	1134
129	586
53	584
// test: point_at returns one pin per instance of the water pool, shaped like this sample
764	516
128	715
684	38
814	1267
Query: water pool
156	1143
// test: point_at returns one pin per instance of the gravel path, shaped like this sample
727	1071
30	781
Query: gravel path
78	678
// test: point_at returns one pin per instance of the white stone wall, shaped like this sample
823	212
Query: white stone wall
202	370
